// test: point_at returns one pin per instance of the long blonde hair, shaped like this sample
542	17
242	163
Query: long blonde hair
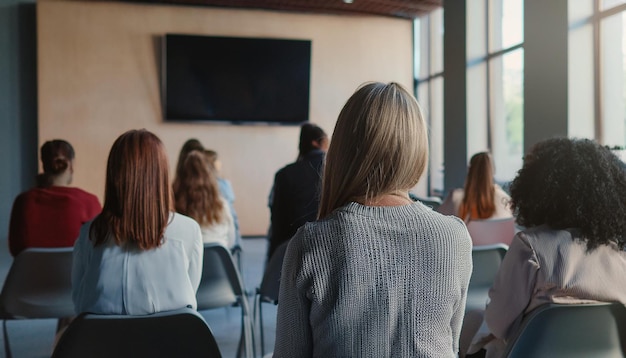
379	146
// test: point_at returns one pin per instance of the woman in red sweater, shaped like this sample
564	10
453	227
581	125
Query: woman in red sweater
51	214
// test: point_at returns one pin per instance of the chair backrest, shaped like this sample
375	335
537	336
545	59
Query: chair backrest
492	231
221	283
39	285
573	331
486	261
179	333
270	285
220	286
433	202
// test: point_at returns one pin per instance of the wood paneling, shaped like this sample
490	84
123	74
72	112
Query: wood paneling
99	75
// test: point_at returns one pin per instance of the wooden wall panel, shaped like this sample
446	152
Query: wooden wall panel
98	75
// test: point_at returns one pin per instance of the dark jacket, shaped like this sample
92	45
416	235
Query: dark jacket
296	197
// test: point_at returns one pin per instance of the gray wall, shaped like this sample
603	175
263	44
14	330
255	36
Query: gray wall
545	70
18	104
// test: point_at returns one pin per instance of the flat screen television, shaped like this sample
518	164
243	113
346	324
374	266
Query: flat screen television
235	79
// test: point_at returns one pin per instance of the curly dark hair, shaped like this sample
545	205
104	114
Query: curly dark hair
573	183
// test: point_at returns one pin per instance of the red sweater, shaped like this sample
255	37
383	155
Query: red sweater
50	217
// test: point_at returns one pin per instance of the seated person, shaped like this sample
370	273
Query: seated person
226	191
571	196
481	198
51	214
197	196
295	196
190	145
137	257
379	275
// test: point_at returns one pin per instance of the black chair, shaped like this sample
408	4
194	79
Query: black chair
572	331
38	285
486	260
270	286
179	333
221	286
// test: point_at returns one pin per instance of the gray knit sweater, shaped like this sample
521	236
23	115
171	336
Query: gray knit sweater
374	282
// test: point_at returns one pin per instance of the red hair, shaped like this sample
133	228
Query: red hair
196	190
478	201
137	197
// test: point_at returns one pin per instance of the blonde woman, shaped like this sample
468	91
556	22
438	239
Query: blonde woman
378	275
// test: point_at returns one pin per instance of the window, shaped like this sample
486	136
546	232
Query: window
495	83
428	36
597	74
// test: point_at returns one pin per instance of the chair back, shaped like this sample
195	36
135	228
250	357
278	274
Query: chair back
39	285
221	283
486	261
433	202
573	331
221	286
492	231
179	333
270	284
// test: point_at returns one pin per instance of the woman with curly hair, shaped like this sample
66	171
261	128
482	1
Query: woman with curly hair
480	198
571	197
197	195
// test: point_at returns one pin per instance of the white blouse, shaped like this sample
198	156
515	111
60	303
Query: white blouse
109	279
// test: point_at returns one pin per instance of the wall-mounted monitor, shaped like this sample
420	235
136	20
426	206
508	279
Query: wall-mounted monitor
235	79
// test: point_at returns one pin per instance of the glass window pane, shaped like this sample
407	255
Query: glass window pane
417	46
507	105
436	38
506	19
436	137
477	115
423	55
476	38
613	51
579	10
430	97
581	112
607	4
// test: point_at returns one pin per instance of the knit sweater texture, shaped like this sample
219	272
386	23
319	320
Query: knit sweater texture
374	282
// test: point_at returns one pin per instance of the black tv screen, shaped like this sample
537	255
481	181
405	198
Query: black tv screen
233	79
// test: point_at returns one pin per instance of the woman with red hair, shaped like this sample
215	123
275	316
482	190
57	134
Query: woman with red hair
137	257
481	198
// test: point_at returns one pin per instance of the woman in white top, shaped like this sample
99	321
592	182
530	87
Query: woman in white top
197	195
137	257
481	198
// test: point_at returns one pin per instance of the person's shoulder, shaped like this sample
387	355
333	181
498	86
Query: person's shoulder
287	168
182	228
178	220
25	195
86	196
457	194
83	192
445	221
500	192
542	234
30	198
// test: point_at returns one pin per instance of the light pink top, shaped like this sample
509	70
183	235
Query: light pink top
545	266
452	203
